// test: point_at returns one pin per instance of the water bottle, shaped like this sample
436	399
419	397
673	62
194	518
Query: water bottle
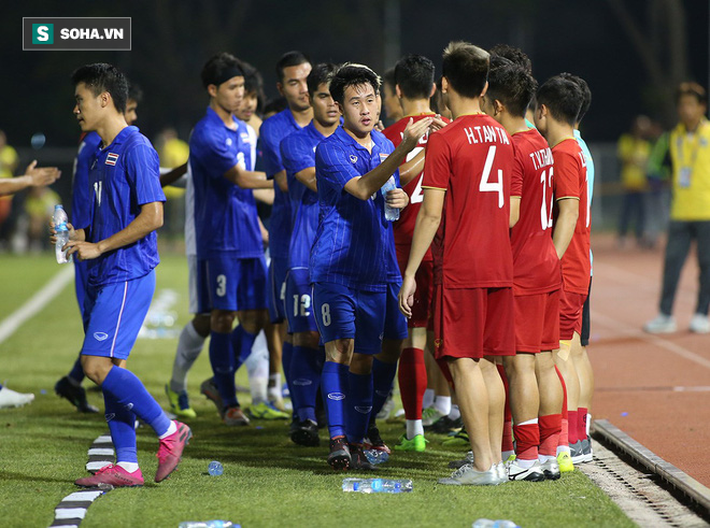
489	523
208	524
376	485
391	213
376	456
60	226
215	468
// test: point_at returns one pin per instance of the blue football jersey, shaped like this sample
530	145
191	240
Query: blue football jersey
124	176
272	132
225	215
352	242
81	190
298	152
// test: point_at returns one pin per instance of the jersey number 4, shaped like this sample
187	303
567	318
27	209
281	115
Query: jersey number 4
492	186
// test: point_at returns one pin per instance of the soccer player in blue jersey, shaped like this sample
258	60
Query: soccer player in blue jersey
298	152
69	386
118	239
231	268
350	254
292	70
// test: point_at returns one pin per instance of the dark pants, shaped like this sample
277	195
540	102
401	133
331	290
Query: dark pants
680	234
633	206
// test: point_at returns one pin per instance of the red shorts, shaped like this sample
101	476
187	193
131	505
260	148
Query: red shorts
421	310
537	322
472	323
571	305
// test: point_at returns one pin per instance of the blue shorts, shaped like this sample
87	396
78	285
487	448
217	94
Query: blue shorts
81	279
347	313
395	322
113	315
298	302
228	283
277	289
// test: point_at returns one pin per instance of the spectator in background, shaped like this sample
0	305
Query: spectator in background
633	151
659	177
690	208
252	105
38	212
390	101
173	152
8	163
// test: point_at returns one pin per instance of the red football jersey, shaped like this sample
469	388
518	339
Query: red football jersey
535	264
472	158
404	227
571	180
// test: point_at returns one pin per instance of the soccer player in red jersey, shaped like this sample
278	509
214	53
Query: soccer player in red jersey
467	206
536	279
558	103
414	85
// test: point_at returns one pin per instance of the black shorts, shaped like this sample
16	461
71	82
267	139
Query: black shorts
585	318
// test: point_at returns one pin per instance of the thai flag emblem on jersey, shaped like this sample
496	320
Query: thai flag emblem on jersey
383	156
111	159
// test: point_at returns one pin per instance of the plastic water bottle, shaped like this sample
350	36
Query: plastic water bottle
489	523
376	456
208	524
60	226
391	213
376	485
215	468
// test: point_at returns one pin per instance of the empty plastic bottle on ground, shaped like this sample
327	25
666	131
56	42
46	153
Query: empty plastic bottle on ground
490	523
215	468
391	213
377	485
208	524
60	226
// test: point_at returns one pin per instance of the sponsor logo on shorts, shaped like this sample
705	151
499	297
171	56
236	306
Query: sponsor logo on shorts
363	409
302	382
129	406
337	396
100	336
384	394
110	416
437	343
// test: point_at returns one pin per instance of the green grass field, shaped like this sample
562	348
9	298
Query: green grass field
267	480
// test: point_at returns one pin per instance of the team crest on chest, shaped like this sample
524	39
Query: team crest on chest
353	158
111	159
383	156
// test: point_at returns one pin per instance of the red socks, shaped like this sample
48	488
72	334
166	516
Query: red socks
582	423
564	432
412	382
550	427
527	440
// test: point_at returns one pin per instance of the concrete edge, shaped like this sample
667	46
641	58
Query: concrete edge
644	456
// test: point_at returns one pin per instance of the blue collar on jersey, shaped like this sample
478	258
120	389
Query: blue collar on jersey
349	140
120	137
212	116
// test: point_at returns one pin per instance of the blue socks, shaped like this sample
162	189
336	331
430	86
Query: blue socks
286	353
121	423
305	376
242	343
222	361
128	392
77	371
334	386
359	407
382	379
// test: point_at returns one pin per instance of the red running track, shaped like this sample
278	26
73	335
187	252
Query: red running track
656	388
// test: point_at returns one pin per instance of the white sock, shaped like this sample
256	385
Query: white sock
589	423
189	347
275	387
455	413
529	422
505	455
257	387
545	458
428	400
258	370
443	404
171	430
414	428
563	449
525	464
131	467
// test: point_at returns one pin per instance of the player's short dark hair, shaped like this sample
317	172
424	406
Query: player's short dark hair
465	66
586	92
511	84
103	77
135	93
414	74
388	79
254	84
562	97
321	73
513	54
691	88
288	59
279	104
350	74
220	68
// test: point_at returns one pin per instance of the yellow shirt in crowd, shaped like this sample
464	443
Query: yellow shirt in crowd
690	154
633	153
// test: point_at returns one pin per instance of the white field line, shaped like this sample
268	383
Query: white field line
36	303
